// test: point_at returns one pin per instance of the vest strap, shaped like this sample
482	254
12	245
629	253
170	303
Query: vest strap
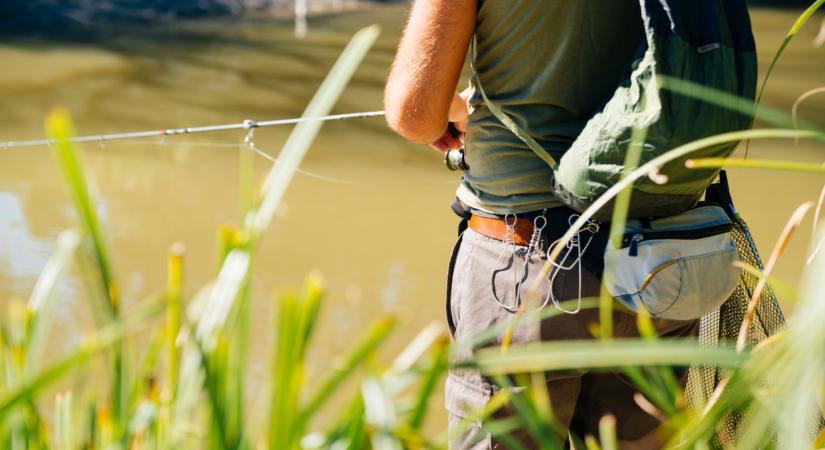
507	121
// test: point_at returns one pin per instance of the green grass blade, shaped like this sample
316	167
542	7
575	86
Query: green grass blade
221	298
617	229
526	411
212	339
349	429
800	381
662	379
730	101
357	431
653	165
603	355
63	438
486	336
302	136
592	443
143	378
67	243
289	358
227	367
366	345
576	442
496	402
296	320
428	383
213	366
425	340
790	166
59	128
804	17
607	433
284	373
312	296
173	320
503	430
652	392
189	392
104	339
40	302
540	397
800	22
379	414
783	290
229	238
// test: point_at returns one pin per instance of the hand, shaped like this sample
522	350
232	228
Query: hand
460	110
453	136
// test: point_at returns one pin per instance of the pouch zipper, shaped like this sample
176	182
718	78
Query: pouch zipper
632	240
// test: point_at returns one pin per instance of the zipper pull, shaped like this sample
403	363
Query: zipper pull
634	244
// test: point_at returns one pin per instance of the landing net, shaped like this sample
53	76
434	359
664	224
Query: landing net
722	327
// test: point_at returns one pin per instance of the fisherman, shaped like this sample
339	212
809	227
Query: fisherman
550	65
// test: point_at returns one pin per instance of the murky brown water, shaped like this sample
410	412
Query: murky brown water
381	233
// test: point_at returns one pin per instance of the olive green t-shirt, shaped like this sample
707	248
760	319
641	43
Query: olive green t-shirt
550	65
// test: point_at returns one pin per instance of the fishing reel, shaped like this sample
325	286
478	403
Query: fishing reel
454	160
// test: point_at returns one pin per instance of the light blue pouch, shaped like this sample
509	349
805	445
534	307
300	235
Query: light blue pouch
678	267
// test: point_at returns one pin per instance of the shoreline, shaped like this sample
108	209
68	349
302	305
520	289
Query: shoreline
31	20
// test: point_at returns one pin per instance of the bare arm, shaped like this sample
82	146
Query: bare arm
422	84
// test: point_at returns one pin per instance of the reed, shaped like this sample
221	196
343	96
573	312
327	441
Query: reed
187	388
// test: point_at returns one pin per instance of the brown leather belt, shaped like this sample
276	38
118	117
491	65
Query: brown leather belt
496	228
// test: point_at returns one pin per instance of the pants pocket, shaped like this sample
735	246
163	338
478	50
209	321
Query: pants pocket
463	400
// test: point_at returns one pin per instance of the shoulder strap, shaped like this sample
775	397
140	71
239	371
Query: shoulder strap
507	121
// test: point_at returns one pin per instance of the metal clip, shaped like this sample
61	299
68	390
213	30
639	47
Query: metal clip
502	266
574	245
249	125
533	249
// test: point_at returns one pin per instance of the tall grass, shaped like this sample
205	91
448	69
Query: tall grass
192	396
187	388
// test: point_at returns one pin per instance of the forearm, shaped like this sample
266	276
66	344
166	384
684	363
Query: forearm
424	75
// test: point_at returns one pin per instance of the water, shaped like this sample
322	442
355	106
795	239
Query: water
381	235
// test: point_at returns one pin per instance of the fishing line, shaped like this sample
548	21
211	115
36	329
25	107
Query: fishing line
267	157
255	149
249	125
263	155
134	137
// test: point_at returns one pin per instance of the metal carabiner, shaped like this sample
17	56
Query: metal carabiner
509	241
575	244
533	249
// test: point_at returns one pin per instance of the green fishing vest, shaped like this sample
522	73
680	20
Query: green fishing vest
550	65
707	42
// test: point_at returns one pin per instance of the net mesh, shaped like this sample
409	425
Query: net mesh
723	326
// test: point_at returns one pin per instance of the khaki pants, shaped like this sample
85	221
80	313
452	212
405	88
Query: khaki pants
579	399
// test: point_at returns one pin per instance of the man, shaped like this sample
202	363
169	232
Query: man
550	65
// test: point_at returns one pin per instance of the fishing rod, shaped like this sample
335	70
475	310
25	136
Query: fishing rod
453	159
247	124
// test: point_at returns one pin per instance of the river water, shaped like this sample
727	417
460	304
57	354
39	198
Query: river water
372	215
